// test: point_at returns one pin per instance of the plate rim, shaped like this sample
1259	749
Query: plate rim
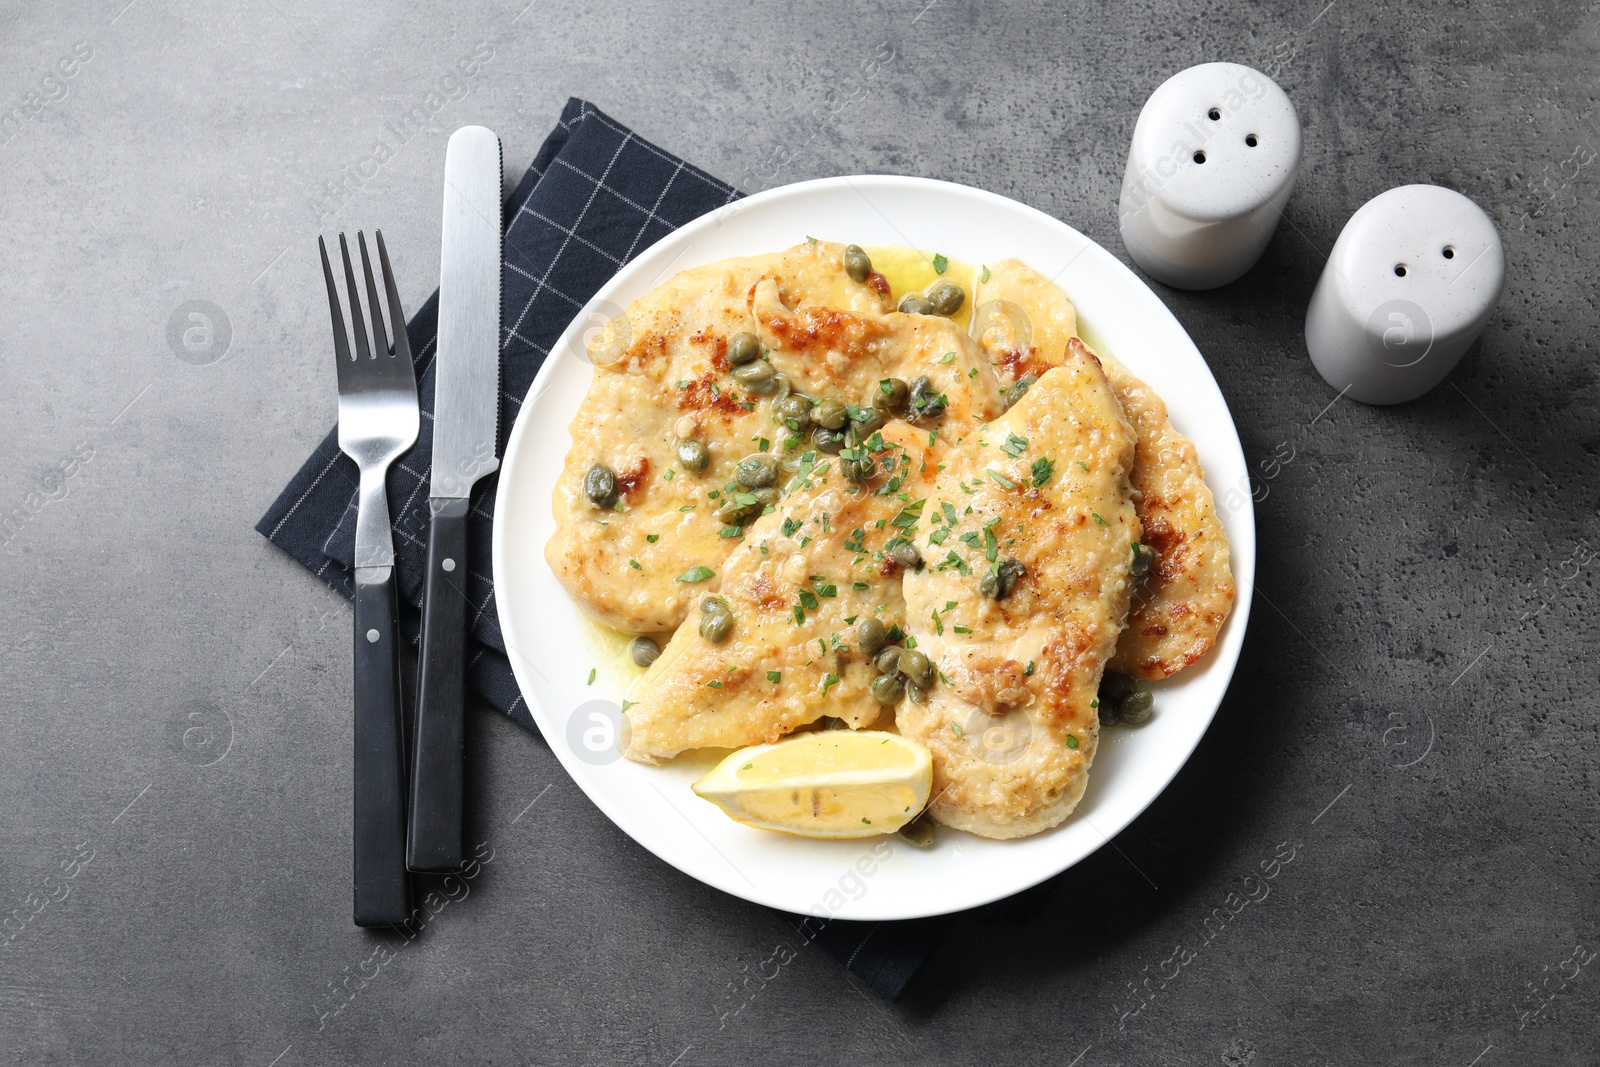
1243	570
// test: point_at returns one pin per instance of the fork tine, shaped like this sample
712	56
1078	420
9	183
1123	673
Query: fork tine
341	340
380	341
397	317
363	352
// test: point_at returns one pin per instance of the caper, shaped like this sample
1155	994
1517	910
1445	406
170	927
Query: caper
711	603
919	832
998	583
925	401
795	411
871	635
917	668
829	413
1107	710
767	495
756	377
857	264
1010	571
888	659
743	348
867	420
1019	389
911	304
716	626
856	470
917	693
946	298
892	395
1141	560
1116	687
826	440
905	553
780	387
693	455
1137	708
887	689
644	651
600	486
757	470
731	513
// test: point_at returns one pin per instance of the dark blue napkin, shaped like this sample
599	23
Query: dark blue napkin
596	195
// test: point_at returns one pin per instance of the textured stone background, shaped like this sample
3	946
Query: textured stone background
1414	718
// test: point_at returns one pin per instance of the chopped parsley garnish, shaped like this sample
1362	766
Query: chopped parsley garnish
687	507
635	565
1072	741
668	475
808	600
1002	481
962	629
799	615
957	728
948	357
938	623
985	275
652	538
791	526
774	677
1044	468
747	766
990	548
1081	463
731	531
591	676
829	682
1014	445
1098	519
909	515
859	585
1029	671
714	684
940	263
695	574
810	240
825	589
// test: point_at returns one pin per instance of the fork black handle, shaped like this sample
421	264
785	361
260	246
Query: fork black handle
436	770
382	886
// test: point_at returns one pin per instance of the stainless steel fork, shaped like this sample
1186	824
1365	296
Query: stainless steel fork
378	420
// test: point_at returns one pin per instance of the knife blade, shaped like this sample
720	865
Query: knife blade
465	425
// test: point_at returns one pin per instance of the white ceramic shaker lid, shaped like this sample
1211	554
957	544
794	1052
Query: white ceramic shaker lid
1214	157
1412	279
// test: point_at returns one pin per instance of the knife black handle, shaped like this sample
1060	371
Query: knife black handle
382	886
436	770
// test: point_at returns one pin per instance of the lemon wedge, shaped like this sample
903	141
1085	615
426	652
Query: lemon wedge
833	783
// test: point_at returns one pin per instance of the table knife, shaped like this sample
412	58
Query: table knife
466	417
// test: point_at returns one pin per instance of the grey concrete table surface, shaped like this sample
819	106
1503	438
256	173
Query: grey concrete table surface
1383	852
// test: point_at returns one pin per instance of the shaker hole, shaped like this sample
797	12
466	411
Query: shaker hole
1399	270
1449	252
1251	140
1199	157
1213	114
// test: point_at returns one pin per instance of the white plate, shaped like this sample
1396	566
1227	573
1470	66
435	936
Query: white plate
554	647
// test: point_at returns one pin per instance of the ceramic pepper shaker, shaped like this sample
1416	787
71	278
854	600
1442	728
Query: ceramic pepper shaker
1215	154
1412	279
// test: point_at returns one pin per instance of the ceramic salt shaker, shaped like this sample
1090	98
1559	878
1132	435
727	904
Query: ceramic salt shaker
1412	279
1215	154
